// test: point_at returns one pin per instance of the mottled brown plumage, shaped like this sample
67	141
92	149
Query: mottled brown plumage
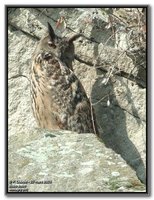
59	100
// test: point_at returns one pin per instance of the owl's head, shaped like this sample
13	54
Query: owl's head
62	48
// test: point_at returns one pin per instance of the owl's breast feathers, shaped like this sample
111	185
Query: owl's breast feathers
58	97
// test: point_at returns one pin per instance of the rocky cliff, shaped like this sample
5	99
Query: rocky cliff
111	64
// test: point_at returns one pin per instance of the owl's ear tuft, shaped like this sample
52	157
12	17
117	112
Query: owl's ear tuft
74	37
51	32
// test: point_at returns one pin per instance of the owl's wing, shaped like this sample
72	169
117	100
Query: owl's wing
60	101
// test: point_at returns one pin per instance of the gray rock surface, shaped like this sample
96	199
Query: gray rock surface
67	162
122	124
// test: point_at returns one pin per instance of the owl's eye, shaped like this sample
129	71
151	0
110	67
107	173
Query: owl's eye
51	44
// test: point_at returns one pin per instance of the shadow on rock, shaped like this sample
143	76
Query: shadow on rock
111	121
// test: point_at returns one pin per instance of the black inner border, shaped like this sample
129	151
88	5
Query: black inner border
148	105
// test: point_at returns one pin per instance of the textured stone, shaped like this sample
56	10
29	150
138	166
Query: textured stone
69	161
122	124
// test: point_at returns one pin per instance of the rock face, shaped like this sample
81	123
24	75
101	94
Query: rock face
116	84
67	162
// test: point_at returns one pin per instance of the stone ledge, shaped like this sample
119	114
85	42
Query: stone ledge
72	162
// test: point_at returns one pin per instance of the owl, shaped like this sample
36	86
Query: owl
58	98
